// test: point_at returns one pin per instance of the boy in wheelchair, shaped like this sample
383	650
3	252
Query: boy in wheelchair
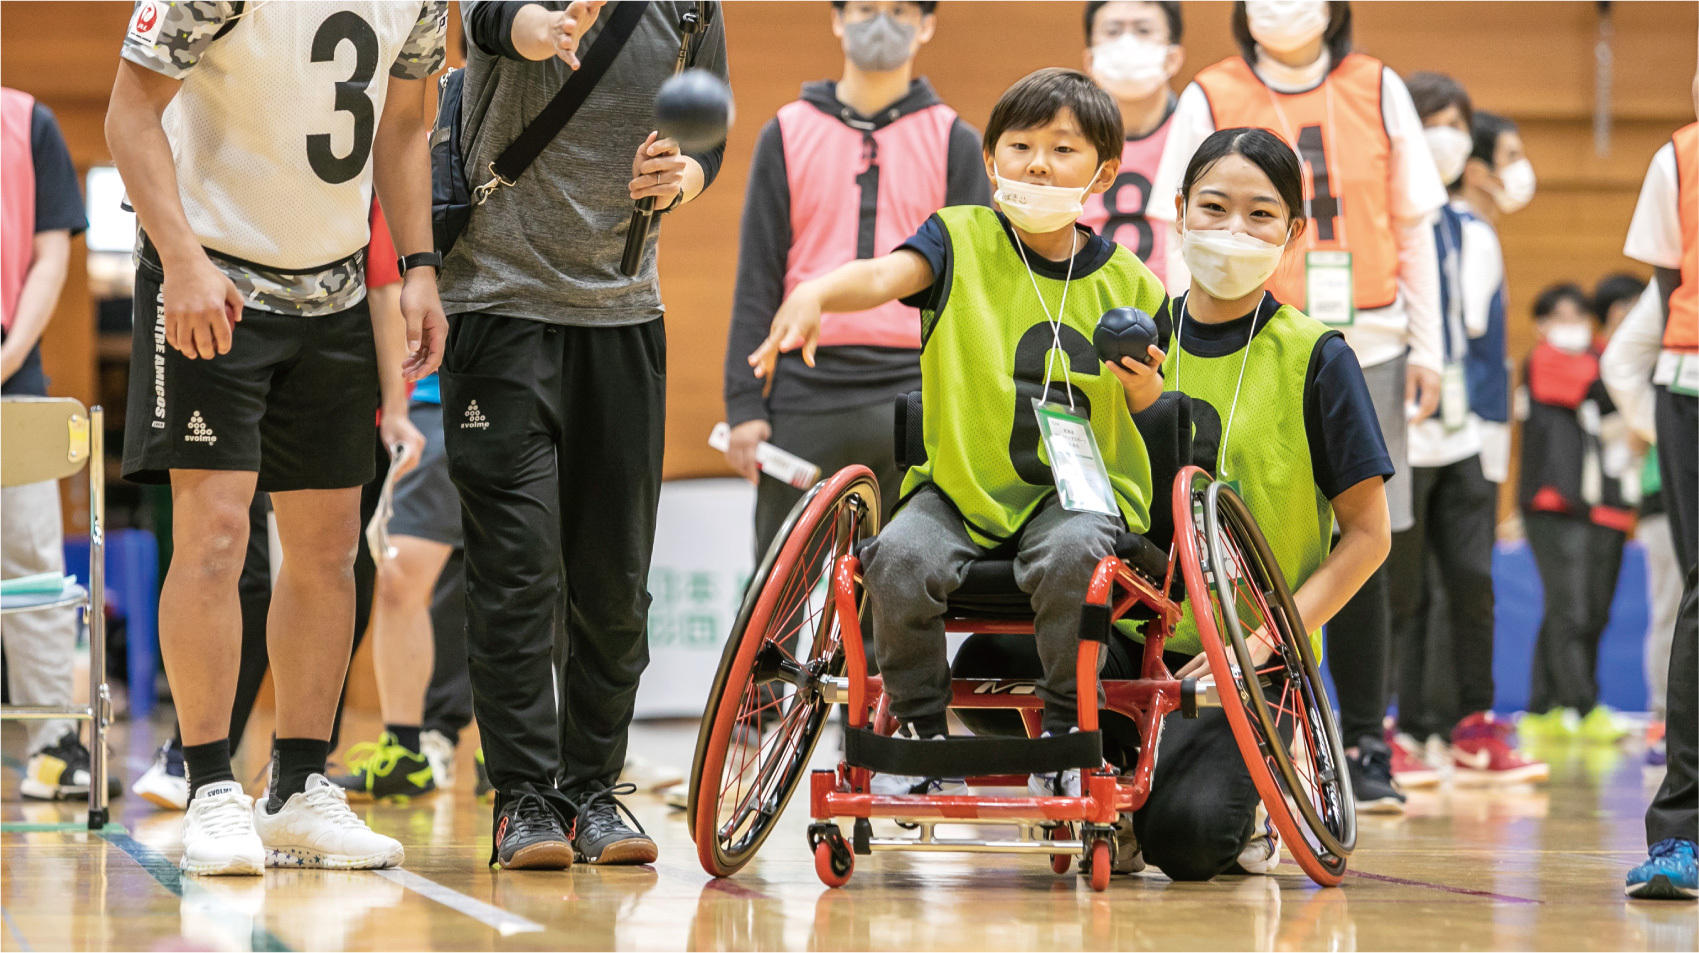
1009	301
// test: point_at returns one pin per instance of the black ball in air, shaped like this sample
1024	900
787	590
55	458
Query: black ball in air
695	108
1124	332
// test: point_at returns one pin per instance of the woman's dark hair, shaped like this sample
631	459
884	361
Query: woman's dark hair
1337	36
1037	97
927	7
1433	92
1170	10
1487	128
1554	295
1614	289
1261	148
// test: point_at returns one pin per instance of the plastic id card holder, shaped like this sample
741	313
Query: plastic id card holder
1327	288
1686	376
1082	482
1453	397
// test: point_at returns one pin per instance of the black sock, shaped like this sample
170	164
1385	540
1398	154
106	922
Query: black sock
407	736
207	764
293	759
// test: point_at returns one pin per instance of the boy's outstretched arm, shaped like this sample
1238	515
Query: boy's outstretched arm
856	286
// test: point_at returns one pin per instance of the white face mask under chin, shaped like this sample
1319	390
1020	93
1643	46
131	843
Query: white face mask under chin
1039	209
1130	67
1570	338
1517	189
1228	265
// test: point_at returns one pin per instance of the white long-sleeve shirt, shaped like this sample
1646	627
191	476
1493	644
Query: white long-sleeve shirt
1629	359
1412	322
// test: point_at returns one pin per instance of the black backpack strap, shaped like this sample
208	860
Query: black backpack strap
530	143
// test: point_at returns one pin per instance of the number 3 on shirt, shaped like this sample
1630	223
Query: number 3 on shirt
350	95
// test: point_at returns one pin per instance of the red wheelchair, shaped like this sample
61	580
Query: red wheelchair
796	652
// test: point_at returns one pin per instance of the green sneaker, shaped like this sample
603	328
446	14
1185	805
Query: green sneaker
1603	726
1559	724
384	770
483	789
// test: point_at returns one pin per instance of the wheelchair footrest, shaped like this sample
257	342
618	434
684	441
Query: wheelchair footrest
972	756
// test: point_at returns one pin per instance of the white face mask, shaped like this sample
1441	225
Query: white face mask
1228	265
1451	147
1518	188
1041	208
1130	67
1286	25
1570	338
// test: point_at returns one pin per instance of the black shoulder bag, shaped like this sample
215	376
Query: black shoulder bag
452	198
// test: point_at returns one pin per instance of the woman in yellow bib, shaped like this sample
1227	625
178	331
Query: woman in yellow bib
1364	264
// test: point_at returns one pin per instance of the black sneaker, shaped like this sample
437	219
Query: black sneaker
529	834
60	772
385	770
1371	778
600	837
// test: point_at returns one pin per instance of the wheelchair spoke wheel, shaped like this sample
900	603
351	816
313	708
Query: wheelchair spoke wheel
1267	677
765	711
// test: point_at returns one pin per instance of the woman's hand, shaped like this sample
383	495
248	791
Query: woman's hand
797	325
740	449
1142	382
1262	649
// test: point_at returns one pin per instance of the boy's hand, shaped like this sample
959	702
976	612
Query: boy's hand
797	325
740	451
1141	381
202	307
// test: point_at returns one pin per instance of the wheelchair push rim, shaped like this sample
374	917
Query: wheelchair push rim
1229	568
765	712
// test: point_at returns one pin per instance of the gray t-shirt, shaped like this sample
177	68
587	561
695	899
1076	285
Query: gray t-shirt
548	248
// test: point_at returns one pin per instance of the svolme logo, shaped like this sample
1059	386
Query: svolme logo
475	419
199	431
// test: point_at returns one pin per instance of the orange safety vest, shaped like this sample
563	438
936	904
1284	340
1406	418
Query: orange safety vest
1682	331
1339	133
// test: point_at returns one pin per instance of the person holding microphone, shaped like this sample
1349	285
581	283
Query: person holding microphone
1368	269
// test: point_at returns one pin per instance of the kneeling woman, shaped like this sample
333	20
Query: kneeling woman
1300	440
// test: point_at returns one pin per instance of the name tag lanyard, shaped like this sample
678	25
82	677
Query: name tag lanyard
1180	351
1076	464
1328	285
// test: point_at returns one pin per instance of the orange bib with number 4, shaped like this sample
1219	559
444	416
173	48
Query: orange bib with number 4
1337	130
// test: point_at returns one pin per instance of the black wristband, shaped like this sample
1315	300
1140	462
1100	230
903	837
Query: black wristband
423	259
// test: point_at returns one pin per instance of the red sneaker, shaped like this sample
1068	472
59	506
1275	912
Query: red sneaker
1483	750
1409	768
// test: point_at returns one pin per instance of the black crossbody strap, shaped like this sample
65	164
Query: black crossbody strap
531	142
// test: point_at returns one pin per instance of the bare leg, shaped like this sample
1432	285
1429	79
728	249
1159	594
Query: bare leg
311	627
200	615
403	647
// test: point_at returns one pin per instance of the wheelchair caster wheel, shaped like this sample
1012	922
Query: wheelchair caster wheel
1100	866
1059	862
833	861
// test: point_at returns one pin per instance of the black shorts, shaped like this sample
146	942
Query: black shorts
295	400
426	504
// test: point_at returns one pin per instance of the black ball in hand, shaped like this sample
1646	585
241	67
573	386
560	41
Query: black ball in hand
1124	332
695	108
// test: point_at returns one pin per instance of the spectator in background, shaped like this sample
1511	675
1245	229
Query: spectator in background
1133	51
40	209
1454	504
1575	513
847	171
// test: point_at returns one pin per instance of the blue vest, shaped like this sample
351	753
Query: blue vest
1485	371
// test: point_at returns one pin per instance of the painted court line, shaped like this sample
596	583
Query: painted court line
169	877
1499	897
507	924
17	934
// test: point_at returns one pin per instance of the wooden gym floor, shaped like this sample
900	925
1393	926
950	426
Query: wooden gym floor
1529	868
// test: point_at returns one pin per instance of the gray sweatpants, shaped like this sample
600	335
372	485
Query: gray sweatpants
40	646
917	561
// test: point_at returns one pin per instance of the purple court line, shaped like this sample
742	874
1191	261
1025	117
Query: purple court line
1502	898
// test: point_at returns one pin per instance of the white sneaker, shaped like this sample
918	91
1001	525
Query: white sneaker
1261	854
159	785
677	796
439	751
900	785
218	833
649	776
316	829
1049	785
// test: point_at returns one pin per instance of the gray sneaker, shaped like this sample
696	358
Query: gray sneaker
600	837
